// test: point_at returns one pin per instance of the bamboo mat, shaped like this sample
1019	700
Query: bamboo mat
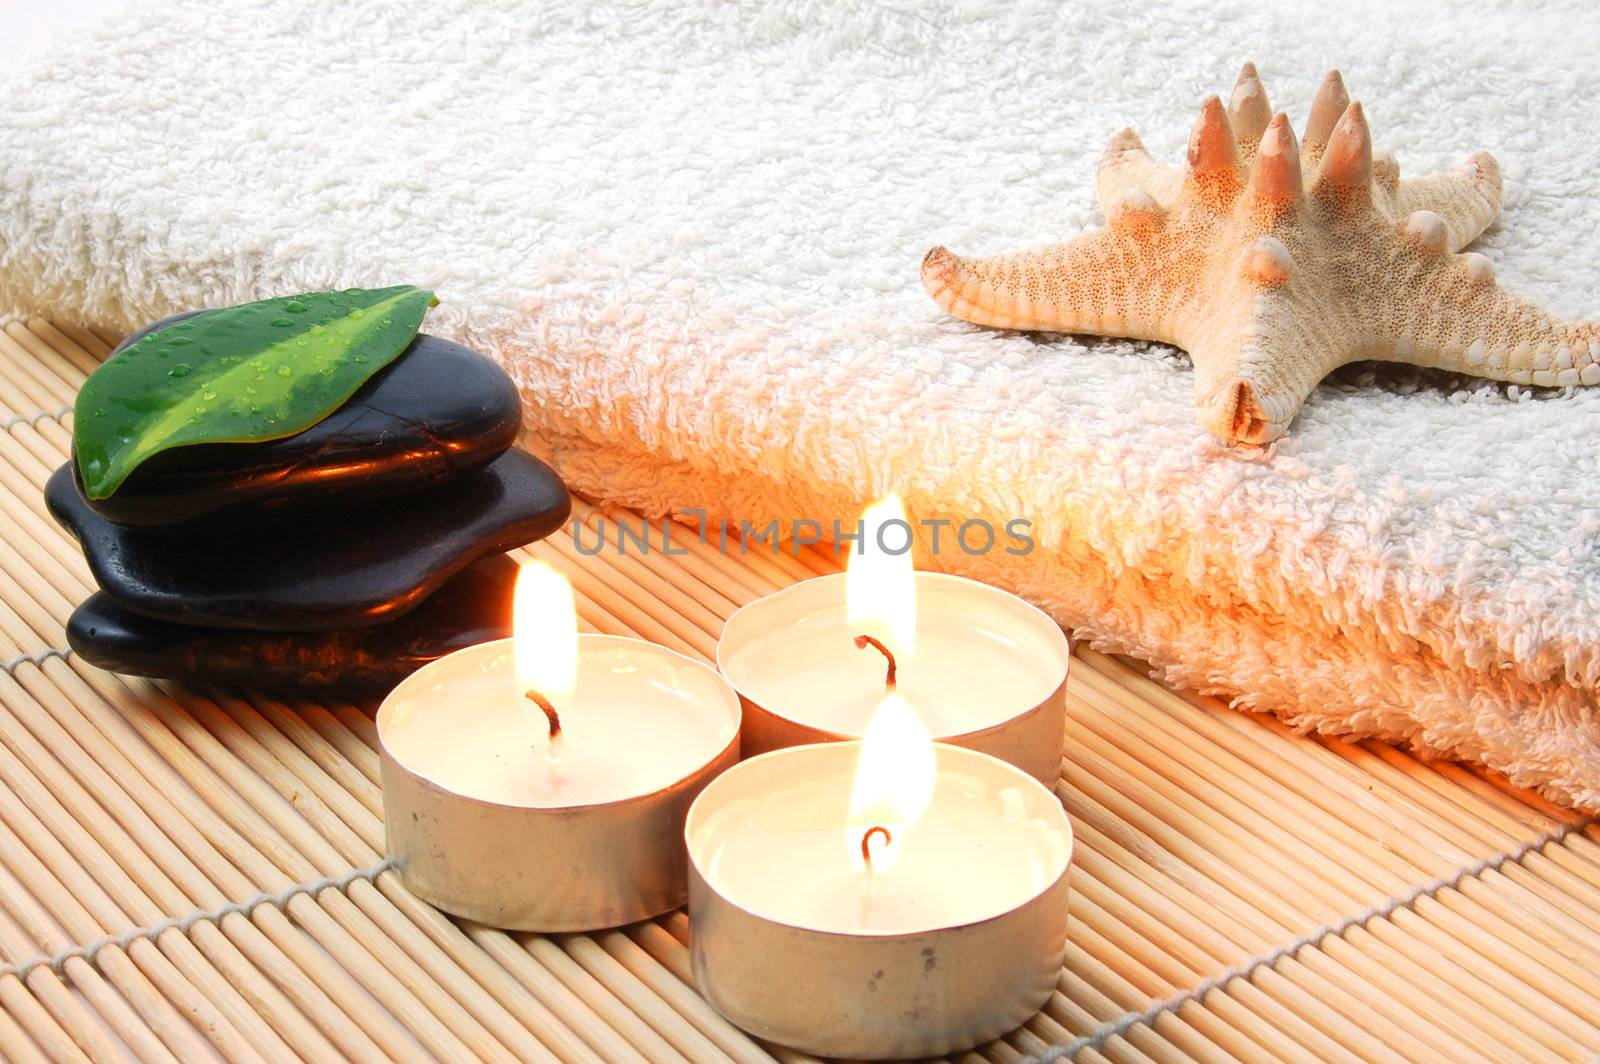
192	875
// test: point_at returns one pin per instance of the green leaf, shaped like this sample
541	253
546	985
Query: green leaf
245	374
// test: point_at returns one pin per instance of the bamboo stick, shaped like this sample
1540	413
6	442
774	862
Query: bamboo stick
725	592
74	707
38	1014
1552	975
131	855
1175	895
25	473
109	337
1448	946
637	996
66	1027
87	912
647	571
82	350
44	389
397	977
1145	973
51	364
639	965
1554	949
29	447
1530	888
15	1045
645	1041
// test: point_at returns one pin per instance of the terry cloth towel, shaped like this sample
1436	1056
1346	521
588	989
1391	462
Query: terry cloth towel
692	233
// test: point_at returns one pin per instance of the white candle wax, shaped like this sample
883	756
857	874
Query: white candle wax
770	836
640	718
982	657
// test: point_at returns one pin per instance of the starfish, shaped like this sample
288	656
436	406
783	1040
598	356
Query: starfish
1273	262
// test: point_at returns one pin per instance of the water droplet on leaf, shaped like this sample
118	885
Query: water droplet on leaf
282	322
294	306
182	369
285	371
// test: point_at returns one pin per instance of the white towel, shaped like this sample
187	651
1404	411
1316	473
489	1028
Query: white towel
692	234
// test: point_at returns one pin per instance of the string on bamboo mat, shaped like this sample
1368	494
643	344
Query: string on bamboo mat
1098	1037
37	657
34	419
56	962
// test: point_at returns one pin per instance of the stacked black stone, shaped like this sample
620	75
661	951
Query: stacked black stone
338	559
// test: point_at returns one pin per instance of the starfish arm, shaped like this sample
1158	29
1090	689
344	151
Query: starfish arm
1254	369
1467	198
1126	166
1455	317
1096	283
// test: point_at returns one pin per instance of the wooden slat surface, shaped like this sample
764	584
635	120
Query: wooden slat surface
1206	840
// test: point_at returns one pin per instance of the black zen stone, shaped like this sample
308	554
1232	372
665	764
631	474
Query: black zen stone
472	607
365	565
437	411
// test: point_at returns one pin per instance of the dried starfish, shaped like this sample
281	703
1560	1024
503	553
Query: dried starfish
1271	281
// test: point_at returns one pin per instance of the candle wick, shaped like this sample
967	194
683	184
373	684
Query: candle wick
864	641
550	713
866	842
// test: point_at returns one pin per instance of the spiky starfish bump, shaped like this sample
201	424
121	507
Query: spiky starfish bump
1273	263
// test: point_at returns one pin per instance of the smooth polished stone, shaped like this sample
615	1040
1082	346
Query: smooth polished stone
474	606
367	565
436	412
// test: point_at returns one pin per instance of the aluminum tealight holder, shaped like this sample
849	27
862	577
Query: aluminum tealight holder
970	967
554	866
1014	706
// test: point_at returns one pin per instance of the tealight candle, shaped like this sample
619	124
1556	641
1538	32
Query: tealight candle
541	782
985	669
880	899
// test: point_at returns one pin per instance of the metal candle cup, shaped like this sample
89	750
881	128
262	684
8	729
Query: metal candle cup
958	943
989	672
604	850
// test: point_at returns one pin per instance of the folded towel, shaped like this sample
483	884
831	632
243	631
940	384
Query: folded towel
693	234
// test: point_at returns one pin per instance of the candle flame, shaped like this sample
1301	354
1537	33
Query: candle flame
880	587
894	782
544	639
